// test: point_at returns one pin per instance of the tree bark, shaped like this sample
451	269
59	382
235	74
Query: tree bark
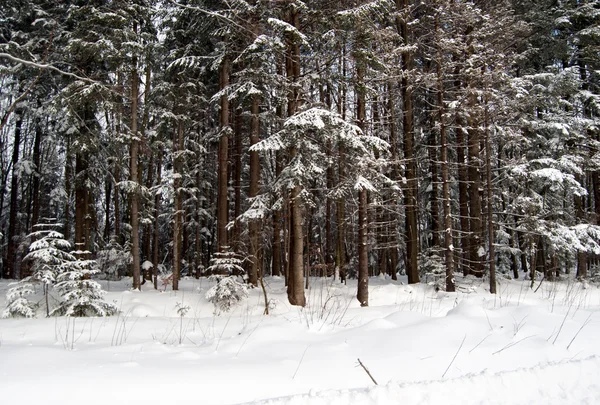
363	248
134	176
178	196
296	261
448	248
410	193
222	196
254	226
11	257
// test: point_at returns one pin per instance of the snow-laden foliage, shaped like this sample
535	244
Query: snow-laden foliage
18	306
227	293
309	135
225	263
80	295
113	259
48	253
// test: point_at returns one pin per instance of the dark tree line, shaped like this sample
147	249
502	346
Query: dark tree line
342	139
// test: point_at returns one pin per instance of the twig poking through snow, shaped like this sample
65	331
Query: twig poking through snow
367	371
300	362
580	329
508	346
454	358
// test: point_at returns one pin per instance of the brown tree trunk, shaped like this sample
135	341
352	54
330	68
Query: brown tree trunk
410	192
68	173
463	197
155	247
10	271
38	173
448	250
254	226
340	251
476	226
134	176
363	270
491	234
237	180
178	203
296	263
222	197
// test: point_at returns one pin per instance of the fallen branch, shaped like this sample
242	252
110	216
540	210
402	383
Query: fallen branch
367	371
454	358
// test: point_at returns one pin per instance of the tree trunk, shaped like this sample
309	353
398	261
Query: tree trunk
178	196
410	193
448	248
476	226
37	175
296	261
237	180
222	197
491	238
363	269
254	226
11	258
363	247
134	176
155	247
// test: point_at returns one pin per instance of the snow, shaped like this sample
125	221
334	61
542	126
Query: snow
520	346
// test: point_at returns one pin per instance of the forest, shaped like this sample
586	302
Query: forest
342	139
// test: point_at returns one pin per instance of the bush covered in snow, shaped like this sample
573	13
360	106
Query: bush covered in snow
81	296
18	305
227	293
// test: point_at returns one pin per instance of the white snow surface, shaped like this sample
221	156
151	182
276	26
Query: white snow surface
520	346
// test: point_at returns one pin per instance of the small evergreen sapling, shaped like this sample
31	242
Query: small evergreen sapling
80	295
225	268
18	305
48	253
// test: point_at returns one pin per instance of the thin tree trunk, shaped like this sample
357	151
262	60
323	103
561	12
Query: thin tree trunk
222	197
37	175
11	257
67	208
448	249
134	176
254	226
155	247
410	193
491	239
363	248
296	261
237	180
475	211
178	203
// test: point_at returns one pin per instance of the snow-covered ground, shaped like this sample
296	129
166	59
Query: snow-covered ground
520	346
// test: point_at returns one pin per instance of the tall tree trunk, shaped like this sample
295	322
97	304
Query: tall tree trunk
155	246
11	257
68	174
222	197
178	196
448	250
237	180
363	247
254	226
296	263
37	175
410	193
488	161
134	175
395	176
340	251
475	211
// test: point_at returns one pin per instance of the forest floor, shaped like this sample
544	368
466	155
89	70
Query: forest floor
520	346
